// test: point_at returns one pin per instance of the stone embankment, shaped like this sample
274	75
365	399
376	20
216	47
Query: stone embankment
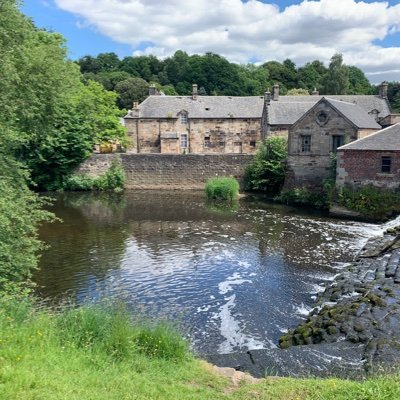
361	305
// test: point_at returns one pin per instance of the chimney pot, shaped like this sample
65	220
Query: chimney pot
135	105
267	97
194	91
383	89
152	90
275	92
315	92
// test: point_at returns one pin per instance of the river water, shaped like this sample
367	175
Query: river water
233	279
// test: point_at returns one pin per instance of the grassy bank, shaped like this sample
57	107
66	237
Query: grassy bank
99	353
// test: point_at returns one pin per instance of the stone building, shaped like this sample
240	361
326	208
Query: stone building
372	160
317	134
195	124
226	124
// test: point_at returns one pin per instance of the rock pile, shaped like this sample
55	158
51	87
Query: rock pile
362	304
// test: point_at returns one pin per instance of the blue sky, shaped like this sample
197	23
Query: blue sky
367	34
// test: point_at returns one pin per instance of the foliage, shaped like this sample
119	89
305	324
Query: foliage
49	117
20	216
132	89
89	353
217	76
303	197
108	328
267	171
222	188
297	92
112	180
370	201
336	80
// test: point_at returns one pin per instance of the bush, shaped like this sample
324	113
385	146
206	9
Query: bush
369	201
267	172
222	189
112	180
304	197
78	183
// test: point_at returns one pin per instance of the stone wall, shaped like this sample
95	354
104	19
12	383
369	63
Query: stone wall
168	171
205	136
357	168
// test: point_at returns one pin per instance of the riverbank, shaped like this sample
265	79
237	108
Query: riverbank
40	357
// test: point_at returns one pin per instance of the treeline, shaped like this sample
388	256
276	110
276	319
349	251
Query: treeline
131	76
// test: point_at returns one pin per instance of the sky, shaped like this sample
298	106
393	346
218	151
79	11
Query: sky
367	33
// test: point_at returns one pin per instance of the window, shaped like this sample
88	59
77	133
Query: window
386	165
306	143
252	143
183	118
207	141
337	141
184	141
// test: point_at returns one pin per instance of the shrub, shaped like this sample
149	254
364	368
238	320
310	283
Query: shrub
304	197
78	183
370	201
112	180
222	188
267	171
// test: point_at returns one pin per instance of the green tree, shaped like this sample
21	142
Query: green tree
358	82
132	89
336	80
310	75
267	171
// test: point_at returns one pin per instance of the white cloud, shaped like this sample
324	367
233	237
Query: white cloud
240	31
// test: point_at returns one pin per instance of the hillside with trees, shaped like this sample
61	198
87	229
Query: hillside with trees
215	75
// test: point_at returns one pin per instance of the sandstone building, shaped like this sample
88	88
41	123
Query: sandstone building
227	124
317	134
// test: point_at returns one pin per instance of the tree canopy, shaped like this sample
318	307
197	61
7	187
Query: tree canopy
50	119
215	75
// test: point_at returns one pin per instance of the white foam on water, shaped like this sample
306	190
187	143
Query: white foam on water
303	310
230	330
235	279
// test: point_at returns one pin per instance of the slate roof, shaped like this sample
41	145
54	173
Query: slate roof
202	107
366	102
387	139
354	114
285	111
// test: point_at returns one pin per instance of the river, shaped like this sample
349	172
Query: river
232	279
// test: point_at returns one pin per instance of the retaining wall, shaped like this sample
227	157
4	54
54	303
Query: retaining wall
168	171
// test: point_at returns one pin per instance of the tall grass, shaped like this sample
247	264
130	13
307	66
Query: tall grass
97	352
222	189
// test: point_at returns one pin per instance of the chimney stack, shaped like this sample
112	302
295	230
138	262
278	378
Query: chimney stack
135	105
275	92
383	89
152	90
267	98
315	92
194	91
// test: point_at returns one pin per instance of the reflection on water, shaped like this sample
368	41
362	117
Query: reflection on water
235	279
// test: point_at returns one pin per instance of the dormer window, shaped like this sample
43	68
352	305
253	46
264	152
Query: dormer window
183	118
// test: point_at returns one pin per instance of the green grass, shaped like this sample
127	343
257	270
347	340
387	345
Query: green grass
97	352
222	188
